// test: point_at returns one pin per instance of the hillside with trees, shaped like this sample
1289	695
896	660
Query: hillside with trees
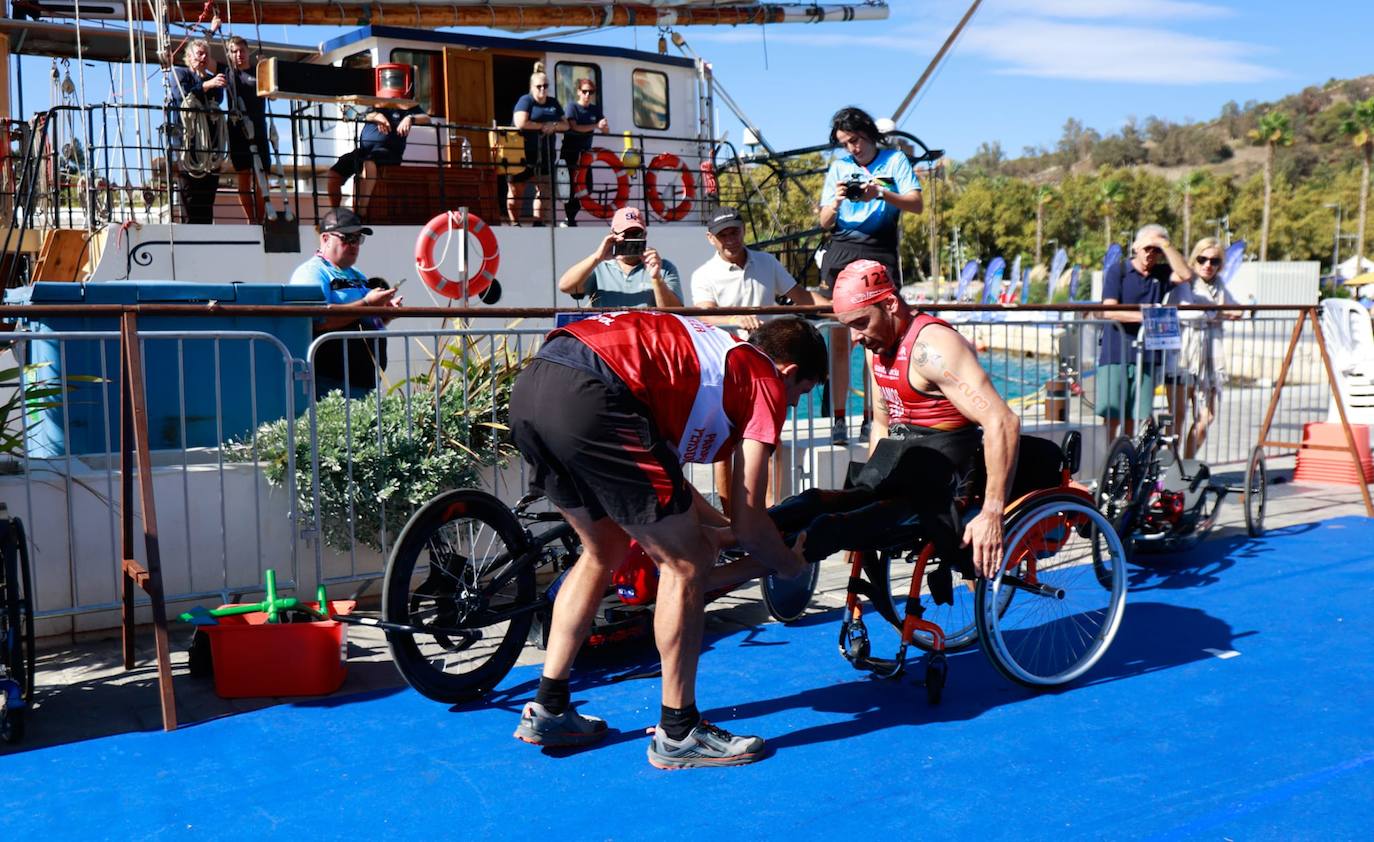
1268	171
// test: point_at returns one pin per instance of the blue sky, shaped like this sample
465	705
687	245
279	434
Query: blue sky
1020	69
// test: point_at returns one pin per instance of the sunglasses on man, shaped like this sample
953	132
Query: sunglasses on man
348	239
1209	261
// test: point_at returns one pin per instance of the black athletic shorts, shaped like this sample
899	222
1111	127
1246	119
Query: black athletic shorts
840	254
240	150
351	163
591	443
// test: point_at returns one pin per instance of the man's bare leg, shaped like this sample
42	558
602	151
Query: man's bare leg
604	545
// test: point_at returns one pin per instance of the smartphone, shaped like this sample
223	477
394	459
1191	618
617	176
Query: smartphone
628	248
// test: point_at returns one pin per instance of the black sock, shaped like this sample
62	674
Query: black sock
553	694
677	723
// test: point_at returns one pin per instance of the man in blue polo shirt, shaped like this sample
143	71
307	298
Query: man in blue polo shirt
1125	380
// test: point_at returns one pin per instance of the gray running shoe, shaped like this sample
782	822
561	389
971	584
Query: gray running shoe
569	728
706	745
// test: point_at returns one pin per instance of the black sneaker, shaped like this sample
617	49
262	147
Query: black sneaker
839	432
541	728
705	745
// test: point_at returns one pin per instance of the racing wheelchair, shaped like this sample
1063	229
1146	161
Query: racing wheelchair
1045	618
1160	502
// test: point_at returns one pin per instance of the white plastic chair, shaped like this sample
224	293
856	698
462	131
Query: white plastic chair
1350	344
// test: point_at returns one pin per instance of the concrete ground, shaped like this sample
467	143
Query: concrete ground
83	692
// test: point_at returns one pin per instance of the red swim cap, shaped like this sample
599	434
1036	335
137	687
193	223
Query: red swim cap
860	284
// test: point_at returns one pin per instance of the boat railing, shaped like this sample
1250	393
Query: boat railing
84	167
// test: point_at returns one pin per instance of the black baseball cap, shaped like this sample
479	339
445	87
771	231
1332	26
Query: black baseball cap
724	218
342	221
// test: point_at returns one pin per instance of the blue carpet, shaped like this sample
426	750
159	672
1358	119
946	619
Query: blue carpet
1164	739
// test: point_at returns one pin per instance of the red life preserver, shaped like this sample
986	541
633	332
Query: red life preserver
709	185
669	161
582	183
429	270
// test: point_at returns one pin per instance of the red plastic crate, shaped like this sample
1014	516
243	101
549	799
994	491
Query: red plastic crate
1333	467
253	657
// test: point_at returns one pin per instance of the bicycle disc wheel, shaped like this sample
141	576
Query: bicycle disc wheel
16	628
1069	602
1256	493
458	573
891	574
787	599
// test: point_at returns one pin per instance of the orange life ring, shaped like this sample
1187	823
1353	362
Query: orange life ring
425	264
582	183
669	161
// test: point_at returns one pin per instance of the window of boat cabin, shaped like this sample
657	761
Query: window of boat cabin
650	105
565	76
429	72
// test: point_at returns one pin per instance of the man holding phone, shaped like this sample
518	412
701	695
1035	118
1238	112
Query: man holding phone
624	272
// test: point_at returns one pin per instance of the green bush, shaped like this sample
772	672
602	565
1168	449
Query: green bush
425	435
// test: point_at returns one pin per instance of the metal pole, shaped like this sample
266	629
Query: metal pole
935	62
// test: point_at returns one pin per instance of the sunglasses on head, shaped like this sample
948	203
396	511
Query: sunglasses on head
1214	261
349	239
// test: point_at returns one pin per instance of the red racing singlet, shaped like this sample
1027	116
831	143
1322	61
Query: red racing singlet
676	367
905	405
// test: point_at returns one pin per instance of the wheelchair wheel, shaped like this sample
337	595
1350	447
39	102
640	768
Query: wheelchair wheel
891	575
1256	493
456	572
1117	484
1070	600
787	599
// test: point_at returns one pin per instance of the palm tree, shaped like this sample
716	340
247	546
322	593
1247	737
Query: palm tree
1189	185
1360	127
1043	197
1110	191
1273	131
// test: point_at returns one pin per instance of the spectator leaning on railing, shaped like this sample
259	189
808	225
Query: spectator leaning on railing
539	117
584	117
1125	379
382	142
1202	360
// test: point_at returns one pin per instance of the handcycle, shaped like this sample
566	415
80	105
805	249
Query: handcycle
1161	502
1045	618
470	579
16	628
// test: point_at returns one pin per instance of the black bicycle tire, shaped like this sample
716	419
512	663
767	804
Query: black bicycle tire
417	670
26	578
1254	523
1118	519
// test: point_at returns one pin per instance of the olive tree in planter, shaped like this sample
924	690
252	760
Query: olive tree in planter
383	456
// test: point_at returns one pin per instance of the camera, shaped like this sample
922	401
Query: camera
854	188
628	248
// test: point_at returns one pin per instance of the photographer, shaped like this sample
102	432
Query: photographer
636	277
865	191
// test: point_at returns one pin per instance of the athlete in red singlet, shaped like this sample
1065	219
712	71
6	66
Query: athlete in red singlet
606	414
929	377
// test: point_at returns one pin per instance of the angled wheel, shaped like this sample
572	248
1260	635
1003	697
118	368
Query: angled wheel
787	599
1069	599
1256	493
1116	485
891	575
458	572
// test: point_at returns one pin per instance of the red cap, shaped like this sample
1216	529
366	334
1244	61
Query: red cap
860	284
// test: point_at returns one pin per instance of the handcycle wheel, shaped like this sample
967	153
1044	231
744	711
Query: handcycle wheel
455	569
1116	485
16	625
891	575
1256	493
787	599
1071	598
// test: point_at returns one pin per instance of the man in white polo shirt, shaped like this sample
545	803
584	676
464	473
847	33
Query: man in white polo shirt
740	277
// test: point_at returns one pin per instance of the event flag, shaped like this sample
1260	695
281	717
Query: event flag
992	279
966	276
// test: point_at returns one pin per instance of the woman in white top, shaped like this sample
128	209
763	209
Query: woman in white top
1201	364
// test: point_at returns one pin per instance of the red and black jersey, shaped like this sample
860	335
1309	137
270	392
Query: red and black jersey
905	405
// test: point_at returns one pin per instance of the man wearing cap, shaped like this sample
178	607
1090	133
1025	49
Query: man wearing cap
624	272
737	276
935	396
349	366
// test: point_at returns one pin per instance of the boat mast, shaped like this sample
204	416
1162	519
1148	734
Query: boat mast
934	63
